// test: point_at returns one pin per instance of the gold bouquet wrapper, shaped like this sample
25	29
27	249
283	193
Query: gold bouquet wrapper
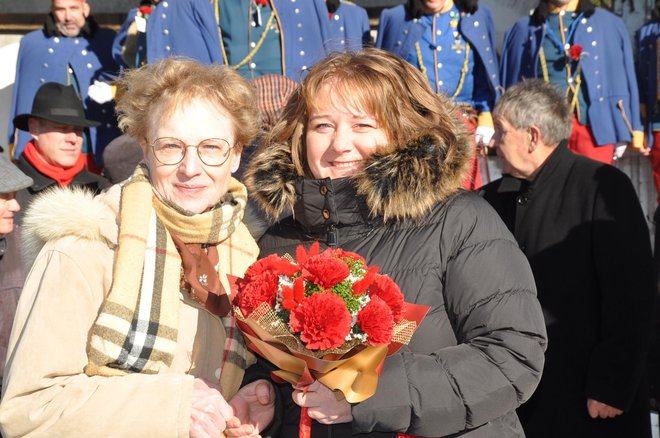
352	369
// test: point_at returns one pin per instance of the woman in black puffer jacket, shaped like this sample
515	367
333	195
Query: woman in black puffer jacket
370	160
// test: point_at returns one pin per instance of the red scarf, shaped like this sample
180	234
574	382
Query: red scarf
61	175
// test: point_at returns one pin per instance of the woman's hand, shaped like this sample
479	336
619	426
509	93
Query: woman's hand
601	410
210	411
254	406
322	404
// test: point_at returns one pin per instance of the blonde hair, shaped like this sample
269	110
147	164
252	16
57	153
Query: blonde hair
379	83
164	86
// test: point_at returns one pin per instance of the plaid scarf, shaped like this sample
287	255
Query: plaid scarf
137	327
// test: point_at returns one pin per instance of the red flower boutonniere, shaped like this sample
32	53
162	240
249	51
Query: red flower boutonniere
575	52
262	3
145	10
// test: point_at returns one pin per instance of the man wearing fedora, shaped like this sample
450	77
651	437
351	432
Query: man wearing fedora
12	271
53	155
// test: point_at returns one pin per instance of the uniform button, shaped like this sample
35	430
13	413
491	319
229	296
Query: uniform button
531	38
50	50
476	24
297	11
598	86
439	64
76	41
140	48
166	32
103	111
108	125
493	76
398	43
596	58
83	52
302	53
596	72
405	31
253	65
336	17
483	37
299	25
341	28
163	16
89	65
70	71
441	83
343	42
253	24
45	65
293	1
583	21
217	373
487	49
42	80
438	32
490	61
589	29
562	13
415	20
569	80
439	48
253	44
323	190
300	39
600	99
168	48
165	4
326	214
593	43
304	67
57	40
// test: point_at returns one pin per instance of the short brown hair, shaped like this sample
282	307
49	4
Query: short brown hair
386	86
165	85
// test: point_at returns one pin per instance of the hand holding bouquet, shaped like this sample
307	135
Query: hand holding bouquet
326	316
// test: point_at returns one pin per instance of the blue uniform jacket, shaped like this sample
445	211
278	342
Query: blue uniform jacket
44	59
189	29
349	28
398	32
608	70
647	37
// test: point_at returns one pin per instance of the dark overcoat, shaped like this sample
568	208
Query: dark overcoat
479	351
582	228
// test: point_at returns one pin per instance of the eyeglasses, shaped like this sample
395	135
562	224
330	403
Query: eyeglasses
170	150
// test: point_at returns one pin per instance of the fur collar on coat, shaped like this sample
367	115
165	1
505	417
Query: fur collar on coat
403	184
71	211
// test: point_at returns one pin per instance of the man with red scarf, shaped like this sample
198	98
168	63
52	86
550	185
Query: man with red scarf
53	155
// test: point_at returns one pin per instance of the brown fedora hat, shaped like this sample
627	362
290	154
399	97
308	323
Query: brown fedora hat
56	103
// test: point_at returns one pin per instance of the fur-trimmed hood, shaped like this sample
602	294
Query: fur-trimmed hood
403	184
72	211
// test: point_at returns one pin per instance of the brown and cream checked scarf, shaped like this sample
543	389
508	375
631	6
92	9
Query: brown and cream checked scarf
136	330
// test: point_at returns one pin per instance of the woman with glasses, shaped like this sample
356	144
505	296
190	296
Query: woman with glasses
123	327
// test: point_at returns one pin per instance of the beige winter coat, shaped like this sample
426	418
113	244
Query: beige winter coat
45	391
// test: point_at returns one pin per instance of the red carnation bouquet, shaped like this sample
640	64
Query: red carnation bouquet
324	316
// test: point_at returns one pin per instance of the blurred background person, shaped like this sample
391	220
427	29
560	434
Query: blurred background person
71	49
586	52
349	26
12	269
53	156
368	158
253	37
124	324
452	42
581	226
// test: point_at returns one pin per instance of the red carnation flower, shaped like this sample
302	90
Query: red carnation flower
344	255
325	271
386	289
292	296
376	320
361	285
145	10
262	3
273	264
261	289
302	255
575	51
322	320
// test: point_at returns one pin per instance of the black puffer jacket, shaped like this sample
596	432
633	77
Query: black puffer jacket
479	352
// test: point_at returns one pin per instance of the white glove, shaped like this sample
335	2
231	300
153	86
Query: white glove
100	92
484	134
619	149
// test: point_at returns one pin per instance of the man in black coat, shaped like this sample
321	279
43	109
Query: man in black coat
580	224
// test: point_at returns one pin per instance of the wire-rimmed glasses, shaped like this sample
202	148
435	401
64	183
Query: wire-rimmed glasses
170	150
